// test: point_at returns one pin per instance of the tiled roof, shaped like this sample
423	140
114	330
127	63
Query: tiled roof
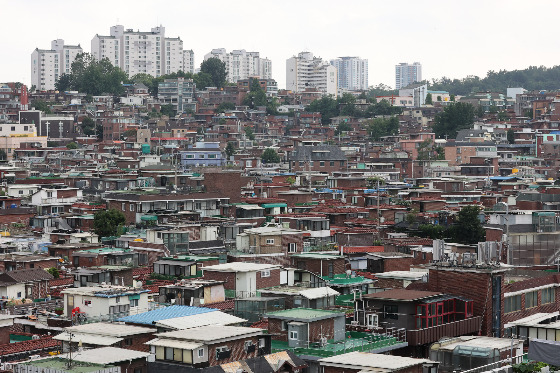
362	249
25	275
222	306
150	317
28	346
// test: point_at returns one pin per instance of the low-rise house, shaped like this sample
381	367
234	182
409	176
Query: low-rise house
184	265
242	279
269	240
319	263
193	292
26	260
298	296
103	275
470	352
210	345
105	303
25	283
102	334
254	308
55	200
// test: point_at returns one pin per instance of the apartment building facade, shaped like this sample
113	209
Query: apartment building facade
47	65
406	74
241	64
306	71
352	73
143	52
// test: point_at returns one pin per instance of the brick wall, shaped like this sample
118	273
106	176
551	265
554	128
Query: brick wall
227	277
272	280
129	215
398	264
389	283
15	218
471	285
237	349
314	265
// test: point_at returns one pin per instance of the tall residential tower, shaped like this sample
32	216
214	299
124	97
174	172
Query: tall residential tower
306	71
352	73
241	64
406	74
47	65
143	52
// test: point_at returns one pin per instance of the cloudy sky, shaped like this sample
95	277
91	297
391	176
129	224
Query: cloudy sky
453	38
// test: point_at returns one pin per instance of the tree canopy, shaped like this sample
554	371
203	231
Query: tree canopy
216	69
106	222
270	156
468	228
454	117
380	127
91	76
345	105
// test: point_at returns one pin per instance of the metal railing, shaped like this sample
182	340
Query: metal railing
503	364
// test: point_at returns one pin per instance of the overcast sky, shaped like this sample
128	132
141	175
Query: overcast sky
453	38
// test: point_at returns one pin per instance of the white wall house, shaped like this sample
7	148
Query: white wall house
105	302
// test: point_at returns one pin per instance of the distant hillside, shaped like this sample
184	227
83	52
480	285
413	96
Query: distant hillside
531	78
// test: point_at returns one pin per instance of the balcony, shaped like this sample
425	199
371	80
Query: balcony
435	333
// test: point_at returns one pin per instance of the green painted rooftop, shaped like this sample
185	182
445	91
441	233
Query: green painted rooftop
60	364
317	256
343	280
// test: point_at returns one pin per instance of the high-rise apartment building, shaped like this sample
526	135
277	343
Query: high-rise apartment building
241	64
406	74
139	52
47	65
352	73
306	71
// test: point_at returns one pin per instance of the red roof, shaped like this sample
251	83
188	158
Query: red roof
225	305
32	345
363	249
262	324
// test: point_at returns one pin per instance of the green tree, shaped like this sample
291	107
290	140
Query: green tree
88	126
225	106
452	97
203	80
106	222
467	228
72	145
432	231
327	106
454	117
270	156
510	136
168	110
480	111
230	149
41	105
380	127
216	69
95	77
429	100
63	83
256	96
347	105
249	133
343	127
54	272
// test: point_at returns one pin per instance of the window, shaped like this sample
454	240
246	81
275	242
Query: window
200	352
270	241
283	325
332	163
131	207
220	352
294	335
391	312
128	342
512	304
531	299
293	247
547	295
134	303
247	345
117	299
265	273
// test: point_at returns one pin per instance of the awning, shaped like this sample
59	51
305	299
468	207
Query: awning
270	205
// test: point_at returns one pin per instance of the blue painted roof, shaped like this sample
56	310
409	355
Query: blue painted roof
151	317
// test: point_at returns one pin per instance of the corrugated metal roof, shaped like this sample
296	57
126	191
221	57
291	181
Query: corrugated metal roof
170	312
316	293
173	343
193	321
98	340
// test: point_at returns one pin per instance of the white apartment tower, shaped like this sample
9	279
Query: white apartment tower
306	71
241	64
47	65
406	74
139	52
352	73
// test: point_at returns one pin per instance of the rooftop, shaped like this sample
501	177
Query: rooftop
210	333
171	312
240	267
363	360
402	295
304	314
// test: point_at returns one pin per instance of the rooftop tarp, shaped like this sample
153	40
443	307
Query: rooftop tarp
544	351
